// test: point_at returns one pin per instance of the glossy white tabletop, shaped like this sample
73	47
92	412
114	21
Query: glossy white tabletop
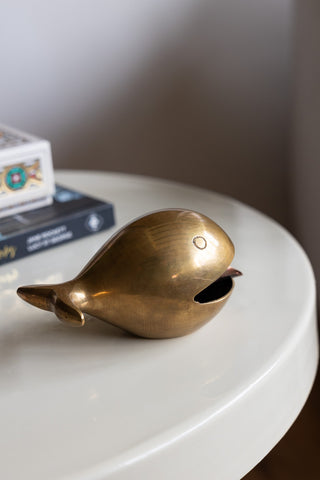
95	403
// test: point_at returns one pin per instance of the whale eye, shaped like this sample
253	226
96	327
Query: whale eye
199	242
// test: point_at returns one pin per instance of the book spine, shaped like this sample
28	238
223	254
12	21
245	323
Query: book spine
58	233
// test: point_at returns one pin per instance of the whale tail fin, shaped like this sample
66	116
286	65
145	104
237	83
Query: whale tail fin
53	299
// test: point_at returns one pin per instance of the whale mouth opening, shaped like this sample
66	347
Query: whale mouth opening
215	290
219	288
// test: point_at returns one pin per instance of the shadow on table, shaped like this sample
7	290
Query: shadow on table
44	347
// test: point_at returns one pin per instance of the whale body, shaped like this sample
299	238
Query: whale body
164	275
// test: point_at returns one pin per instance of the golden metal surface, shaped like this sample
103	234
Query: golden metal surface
164	275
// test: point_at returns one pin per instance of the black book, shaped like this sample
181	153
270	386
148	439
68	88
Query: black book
72	215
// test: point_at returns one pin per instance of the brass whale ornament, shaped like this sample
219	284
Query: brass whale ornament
164	275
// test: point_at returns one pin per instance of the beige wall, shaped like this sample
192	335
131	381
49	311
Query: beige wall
192	90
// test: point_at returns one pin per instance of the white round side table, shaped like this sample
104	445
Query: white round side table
95	403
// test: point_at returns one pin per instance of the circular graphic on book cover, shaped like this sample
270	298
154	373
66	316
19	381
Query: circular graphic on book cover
16	178
94	222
